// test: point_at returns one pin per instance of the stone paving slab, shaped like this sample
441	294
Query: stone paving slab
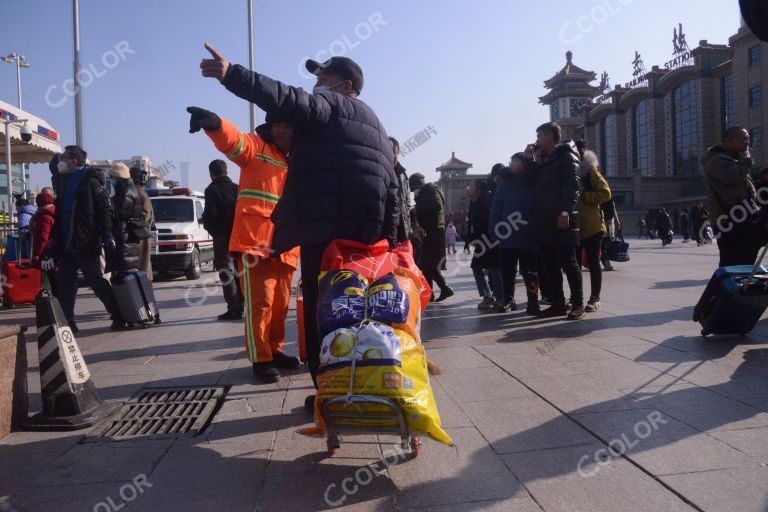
580	393
743	489
554	480
524	424
475	384
442	475
664	446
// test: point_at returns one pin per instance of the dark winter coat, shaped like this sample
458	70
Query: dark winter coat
486	251
341	181
126	207
685	223
512	212
219	212
728	182
557	190
91	217
430	214
663	223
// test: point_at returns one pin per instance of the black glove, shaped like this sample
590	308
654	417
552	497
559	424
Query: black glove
201	118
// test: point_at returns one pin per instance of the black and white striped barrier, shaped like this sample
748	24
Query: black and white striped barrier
70	399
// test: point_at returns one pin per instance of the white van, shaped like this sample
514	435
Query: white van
182	244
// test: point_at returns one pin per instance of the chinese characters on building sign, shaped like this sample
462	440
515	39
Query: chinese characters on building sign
680	51
605	90
641	76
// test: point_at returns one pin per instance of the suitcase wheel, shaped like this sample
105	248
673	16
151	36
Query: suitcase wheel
129	325
143	325
704	333
157	320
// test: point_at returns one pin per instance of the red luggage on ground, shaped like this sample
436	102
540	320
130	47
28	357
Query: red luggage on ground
20	283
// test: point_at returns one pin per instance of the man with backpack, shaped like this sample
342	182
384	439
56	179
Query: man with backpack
218	219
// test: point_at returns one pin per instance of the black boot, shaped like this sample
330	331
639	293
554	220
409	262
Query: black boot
266	372
118	325
283	361
445	293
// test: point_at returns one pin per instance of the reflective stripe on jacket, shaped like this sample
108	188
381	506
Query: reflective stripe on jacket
263	170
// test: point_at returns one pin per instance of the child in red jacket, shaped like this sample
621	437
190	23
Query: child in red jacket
41	227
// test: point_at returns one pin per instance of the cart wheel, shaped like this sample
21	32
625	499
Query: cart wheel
415	446
333	445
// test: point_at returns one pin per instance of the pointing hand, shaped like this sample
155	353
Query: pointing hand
216	67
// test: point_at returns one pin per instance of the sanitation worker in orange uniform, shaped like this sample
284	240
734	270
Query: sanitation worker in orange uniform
265	280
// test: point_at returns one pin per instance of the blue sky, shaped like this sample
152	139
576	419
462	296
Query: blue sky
471	70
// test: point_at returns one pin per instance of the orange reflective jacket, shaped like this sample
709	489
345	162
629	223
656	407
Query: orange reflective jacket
262	175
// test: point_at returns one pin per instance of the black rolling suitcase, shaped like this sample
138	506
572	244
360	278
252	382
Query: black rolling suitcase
135	297
734	300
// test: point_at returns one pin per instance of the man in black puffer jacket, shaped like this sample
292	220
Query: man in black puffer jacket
83	225
557	222
341	181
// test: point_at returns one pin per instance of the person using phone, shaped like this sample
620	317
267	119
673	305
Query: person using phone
731	198
556	195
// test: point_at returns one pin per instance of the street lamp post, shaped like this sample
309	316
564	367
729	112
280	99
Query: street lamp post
8	123
21	62
76	74
251	106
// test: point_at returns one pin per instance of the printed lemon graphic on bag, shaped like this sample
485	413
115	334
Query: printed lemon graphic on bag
373	353
342	344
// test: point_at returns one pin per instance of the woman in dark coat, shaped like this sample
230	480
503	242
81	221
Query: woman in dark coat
126	206
430	215
512	212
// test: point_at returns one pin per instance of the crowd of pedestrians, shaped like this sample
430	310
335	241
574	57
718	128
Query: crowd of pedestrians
545	214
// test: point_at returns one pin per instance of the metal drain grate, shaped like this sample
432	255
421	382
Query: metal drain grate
158	411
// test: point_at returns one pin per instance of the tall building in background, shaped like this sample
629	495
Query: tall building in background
16	183
651	132
184	174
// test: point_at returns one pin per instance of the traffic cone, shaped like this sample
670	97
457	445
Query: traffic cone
70	399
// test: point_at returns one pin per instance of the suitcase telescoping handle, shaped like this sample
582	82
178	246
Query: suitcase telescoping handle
23	235
755	268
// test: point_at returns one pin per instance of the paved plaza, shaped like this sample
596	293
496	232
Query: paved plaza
627	410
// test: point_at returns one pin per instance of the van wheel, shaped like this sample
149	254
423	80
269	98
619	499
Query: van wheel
193	270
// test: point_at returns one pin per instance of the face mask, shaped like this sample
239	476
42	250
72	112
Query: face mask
324	88
63	166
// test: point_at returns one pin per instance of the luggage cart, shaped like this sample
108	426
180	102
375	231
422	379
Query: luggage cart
388	418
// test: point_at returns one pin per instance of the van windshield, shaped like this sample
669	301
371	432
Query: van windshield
173	210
